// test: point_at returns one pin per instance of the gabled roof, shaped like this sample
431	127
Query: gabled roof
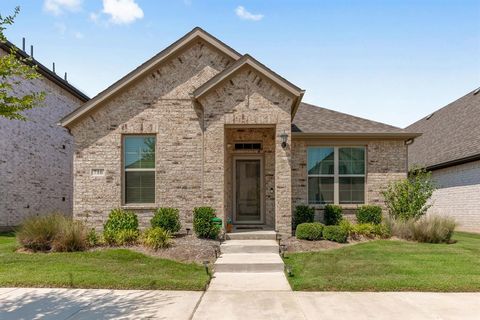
247	60
313	121
146	67
44	71
451	135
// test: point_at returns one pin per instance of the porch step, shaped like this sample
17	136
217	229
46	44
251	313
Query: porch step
249	246
252	235
249	262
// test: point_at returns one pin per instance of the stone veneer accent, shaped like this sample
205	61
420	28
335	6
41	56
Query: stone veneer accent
36	156
386	162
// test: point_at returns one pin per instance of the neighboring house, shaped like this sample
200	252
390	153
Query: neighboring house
200	124
450	148
36	155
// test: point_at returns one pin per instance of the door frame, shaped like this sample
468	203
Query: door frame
234	189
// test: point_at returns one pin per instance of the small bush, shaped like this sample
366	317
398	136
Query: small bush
156	238
71	236
309	231
408	198
121	227
92	238
166	218
346	226
203	224
430	229
433	229
381	230
369	214
335	233
363	229
54	232
332	214
303	214
126	237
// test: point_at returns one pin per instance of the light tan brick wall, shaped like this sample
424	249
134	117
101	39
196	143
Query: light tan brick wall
386	162
159	104
458	195
36	156
247	99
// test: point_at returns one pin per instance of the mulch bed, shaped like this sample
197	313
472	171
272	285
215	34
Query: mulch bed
296	245
184	248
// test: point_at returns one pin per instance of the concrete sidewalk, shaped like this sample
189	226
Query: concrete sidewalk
31	303
20	303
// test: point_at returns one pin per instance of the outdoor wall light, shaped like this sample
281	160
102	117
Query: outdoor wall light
284	137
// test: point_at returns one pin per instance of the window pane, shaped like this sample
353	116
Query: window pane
140	187
139	152
320	160
351	160
352	189
320	190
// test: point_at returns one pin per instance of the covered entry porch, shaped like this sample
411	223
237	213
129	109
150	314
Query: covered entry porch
250	177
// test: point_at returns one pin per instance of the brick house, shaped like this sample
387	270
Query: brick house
450	148
201	124
36	155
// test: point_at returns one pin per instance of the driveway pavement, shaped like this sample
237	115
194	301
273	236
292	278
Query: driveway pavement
19	303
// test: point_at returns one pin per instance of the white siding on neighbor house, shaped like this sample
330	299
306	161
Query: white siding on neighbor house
458	194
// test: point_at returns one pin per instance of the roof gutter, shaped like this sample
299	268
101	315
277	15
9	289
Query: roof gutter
455	162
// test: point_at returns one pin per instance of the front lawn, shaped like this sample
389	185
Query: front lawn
388	265
112	268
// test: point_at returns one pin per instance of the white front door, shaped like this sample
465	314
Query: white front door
248	190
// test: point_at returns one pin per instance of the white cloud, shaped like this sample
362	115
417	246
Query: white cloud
94	16
79	35
245	15
122	11
57	7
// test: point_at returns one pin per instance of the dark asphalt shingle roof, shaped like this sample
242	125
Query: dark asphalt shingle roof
449	134
313	119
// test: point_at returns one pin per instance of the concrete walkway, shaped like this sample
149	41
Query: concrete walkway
19	304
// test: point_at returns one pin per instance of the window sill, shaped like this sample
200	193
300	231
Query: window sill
147	206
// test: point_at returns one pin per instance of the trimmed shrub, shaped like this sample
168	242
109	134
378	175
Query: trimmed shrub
166	218
54	232
309	231
369	214
381	230
156	238
121	227
335	233
332	214
303	214
203	224
363	229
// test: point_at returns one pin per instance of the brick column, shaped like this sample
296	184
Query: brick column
283	180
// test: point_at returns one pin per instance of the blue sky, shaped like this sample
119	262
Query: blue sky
390	61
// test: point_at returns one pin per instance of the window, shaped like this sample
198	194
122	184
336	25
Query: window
139	165
336	175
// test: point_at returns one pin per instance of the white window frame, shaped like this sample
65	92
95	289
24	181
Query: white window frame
124	170
336	175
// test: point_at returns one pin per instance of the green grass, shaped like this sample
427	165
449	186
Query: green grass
385	265
111	268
